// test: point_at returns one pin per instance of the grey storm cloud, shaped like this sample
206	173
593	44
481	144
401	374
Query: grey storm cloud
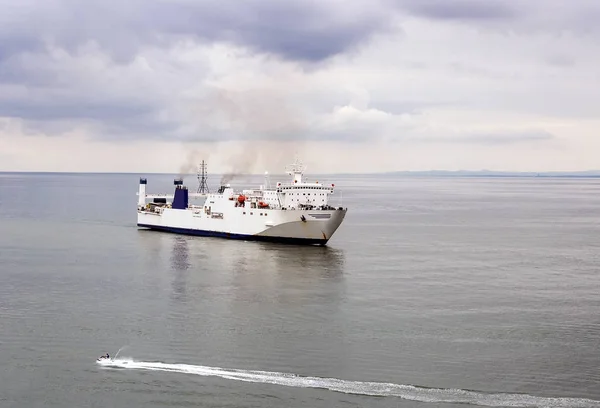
461	9
554	16
310	30
36	88
39	88
291	29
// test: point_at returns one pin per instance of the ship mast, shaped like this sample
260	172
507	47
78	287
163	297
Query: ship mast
296	170
202	185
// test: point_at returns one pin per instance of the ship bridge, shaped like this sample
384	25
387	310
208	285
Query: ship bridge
301	194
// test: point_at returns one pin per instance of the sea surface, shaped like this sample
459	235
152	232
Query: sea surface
434	292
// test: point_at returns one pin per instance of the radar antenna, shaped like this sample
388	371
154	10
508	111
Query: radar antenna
202	185
295	170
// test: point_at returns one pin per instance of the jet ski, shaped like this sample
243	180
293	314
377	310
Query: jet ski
103	358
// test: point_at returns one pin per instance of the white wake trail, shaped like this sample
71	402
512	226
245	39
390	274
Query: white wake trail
408	392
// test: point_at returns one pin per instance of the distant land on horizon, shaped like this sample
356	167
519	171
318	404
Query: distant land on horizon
491	173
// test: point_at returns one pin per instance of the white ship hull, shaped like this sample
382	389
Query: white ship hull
285	226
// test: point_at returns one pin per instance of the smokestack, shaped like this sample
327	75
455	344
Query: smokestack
142	193
180	199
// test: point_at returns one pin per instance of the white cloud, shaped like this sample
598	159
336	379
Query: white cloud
447	88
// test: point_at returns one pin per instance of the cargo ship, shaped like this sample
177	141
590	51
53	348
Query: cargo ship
297	212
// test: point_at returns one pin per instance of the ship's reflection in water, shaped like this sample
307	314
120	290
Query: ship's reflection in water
180	264
252	271
180	254
286	274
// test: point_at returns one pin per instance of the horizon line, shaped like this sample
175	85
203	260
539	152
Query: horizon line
484	172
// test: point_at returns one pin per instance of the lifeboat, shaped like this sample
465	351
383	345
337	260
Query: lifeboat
241	198
262	204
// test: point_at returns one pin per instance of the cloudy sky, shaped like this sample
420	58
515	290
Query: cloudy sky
350	86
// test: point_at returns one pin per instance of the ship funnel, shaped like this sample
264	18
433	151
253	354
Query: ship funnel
142	192
180	199
178	182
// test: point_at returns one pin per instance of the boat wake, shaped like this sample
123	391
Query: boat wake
408	392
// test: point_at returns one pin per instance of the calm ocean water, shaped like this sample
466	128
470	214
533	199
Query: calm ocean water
434	292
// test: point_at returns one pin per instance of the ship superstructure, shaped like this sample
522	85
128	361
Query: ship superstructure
297	212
